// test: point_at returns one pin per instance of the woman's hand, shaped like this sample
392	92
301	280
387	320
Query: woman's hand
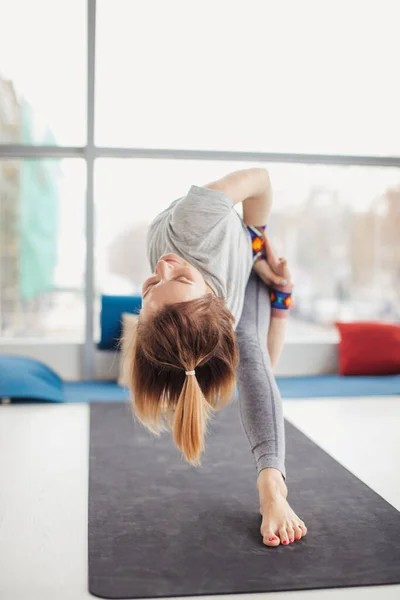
272	271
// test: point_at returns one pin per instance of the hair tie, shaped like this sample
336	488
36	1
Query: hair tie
190	372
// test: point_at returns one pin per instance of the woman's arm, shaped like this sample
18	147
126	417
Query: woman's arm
251	187
256	209
272	271
276	339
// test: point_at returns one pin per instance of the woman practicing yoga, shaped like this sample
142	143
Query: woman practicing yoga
214	315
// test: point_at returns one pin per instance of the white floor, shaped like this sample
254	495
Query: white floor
44	493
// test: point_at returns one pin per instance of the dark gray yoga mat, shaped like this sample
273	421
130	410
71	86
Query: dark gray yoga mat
159	527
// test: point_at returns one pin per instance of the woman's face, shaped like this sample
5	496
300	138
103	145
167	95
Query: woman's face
174	280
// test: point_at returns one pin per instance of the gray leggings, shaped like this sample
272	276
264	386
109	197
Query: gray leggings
259	397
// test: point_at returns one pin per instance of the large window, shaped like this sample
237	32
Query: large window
43	72
110	110
305	76
42	249
338	226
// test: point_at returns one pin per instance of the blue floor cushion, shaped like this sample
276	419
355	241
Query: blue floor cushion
26	378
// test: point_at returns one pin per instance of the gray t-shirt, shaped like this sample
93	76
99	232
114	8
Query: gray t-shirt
204	228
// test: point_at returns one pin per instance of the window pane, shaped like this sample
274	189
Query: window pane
42	249
318	77
43	72
338	227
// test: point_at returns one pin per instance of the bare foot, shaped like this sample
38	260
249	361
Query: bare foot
280	524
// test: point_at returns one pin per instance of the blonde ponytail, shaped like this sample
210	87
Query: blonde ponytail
190	421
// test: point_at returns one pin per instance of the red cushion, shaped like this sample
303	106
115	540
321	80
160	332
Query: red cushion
369	348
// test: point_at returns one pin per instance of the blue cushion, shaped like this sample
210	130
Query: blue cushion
112	308
28	378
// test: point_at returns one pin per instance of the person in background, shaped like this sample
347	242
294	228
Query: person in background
213	316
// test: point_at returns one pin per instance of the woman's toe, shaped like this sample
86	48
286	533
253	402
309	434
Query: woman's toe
297	532
284	536
290	533
270	539
303	528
